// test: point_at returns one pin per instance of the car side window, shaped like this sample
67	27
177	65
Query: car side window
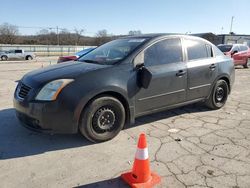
235	49
209	50
243	48
18	51
196	49
164	52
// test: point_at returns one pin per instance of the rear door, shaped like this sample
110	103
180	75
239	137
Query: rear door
19	54
164	59
202	68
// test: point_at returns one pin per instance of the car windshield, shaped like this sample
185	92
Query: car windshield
112	52
225	48
85	51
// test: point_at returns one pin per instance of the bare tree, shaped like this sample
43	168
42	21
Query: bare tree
66	38
102	37
135	32
8	33
102	33
43	36
78	35
43	32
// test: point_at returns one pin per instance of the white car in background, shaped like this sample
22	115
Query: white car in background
16	55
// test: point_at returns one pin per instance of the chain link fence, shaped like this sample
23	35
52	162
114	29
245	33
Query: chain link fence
45	50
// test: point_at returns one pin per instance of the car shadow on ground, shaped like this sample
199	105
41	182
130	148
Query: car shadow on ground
193	108
115	182
17	141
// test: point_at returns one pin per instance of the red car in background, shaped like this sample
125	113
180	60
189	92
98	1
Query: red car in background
239	52
74	57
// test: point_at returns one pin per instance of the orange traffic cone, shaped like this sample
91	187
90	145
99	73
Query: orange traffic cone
141	175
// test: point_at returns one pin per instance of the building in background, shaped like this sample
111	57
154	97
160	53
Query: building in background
235	39
215	39
225	38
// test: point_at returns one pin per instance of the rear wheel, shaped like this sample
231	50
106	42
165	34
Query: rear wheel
29	58
102	119
219	95
4	58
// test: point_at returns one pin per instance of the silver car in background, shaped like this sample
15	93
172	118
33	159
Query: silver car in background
16	55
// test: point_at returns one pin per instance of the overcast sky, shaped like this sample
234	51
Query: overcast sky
121	16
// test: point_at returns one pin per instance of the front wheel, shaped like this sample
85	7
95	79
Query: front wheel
4	58
102	119
29	58
219	95
246	64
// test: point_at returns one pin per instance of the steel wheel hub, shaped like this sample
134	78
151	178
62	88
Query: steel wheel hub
104	120
219	94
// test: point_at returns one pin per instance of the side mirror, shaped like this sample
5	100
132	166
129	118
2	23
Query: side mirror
144	77
234	52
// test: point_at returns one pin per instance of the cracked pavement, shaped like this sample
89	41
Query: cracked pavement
189	147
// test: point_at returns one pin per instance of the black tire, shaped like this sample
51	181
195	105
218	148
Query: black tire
102	119
4	58
246	64
218	97
29	58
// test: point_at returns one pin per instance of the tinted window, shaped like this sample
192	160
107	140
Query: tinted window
243	48
196	49
164	52
18	51
225	48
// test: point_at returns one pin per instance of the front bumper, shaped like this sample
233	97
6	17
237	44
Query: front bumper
52	117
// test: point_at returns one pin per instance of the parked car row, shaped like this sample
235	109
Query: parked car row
239	52
16	55
123	79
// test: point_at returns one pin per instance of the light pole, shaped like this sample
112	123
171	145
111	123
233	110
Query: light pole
221	31
231	27
57	35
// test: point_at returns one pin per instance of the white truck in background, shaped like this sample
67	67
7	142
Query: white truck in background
16	55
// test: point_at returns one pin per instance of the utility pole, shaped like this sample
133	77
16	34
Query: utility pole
57	35
231	27
221	31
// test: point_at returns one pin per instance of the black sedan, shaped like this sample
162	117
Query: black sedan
121	80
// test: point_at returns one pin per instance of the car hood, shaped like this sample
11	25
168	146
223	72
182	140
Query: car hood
66	70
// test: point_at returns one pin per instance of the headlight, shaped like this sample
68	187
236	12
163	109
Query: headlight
51	90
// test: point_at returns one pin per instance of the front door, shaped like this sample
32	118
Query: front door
164	59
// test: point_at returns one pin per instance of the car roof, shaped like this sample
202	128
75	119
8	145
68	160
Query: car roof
152	36
232	45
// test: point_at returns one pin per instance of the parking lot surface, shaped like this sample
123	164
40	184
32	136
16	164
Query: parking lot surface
190	146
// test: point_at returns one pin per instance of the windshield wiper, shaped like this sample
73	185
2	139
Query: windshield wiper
90	61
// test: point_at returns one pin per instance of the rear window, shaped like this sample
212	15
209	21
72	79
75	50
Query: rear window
209	50
217	52
18	51
197	49
225	48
